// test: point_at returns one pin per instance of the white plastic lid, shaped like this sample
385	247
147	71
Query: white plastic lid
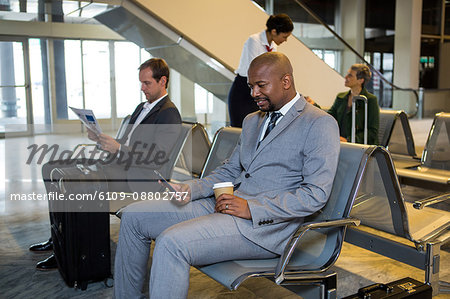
224	184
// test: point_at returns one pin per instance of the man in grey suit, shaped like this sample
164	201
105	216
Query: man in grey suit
282	168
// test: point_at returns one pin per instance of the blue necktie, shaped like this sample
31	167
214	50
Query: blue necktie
273	120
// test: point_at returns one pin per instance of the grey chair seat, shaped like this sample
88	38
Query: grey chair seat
422	224
426	223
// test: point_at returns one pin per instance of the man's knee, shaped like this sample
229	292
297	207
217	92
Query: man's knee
170	240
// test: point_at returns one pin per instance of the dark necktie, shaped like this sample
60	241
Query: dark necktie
269	49
273	120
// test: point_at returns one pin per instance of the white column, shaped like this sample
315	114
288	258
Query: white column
408	25
351	27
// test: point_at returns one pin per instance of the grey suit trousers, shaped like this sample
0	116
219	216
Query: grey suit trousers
185	235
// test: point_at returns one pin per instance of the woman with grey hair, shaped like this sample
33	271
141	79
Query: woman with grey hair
357	77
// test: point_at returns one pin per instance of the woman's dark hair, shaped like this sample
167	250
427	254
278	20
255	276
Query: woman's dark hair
362	72
280	22
159	68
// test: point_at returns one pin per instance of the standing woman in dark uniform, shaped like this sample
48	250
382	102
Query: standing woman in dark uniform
240	102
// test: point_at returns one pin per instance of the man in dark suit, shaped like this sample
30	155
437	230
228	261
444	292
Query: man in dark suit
153	130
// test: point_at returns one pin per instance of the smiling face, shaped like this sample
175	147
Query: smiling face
152	89
270	86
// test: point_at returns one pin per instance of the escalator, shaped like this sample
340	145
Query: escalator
203	41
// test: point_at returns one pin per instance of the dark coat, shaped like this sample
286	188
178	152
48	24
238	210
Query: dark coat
344	118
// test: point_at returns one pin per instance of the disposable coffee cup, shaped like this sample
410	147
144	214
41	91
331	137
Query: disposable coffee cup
221	188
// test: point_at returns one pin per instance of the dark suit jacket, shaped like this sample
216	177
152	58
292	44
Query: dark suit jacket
344	117
149	148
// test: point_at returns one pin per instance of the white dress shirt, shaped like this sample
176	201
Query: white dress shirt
145	110
253	47
283	110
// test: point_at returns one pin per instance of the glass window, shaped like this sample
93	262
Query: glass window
431	17
447	18
318	52
201	100
83	9
330	58
127	62
37	85
74	78
388	62
96	73
13	105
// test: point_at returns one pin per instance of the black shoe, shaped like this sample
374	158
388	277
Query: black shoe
47	264
44	246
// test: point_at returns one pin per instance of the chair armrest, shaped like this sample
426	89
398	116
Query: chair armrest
420	204
302	229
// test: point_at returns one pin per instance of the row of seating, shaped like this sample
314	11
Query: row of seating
429	171
388	222
366	181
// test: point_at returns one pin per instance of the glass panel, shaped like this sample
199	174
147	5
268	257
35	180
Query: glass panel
210	110
144	57
447	18
127	77
97	78
37	85
83	8
431	17
13	105
31	5
74	79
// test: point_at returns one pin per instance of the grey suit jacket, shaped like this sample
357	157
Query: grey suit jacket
286	178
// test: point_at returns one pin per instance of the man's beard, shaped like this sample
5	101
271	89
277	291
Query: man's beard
268	109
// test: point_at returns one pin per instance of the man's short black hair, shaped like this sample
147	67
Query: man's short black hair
280	22
159	68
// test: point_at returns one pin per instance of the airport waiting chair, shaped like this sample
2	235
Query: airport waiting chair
386	124
224	142
193	155
394	133
407	232
315	246
433	172
116	206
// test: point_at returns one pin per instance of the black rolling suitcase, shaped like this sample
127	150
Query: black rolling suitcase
403	288
80	239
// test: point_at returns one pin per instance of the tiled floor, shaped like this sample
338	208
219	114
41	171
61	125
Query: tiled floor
22	223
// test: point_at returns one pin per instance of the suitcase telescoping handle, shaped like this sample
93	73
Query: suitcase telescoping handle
366	291
354	99
59	184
